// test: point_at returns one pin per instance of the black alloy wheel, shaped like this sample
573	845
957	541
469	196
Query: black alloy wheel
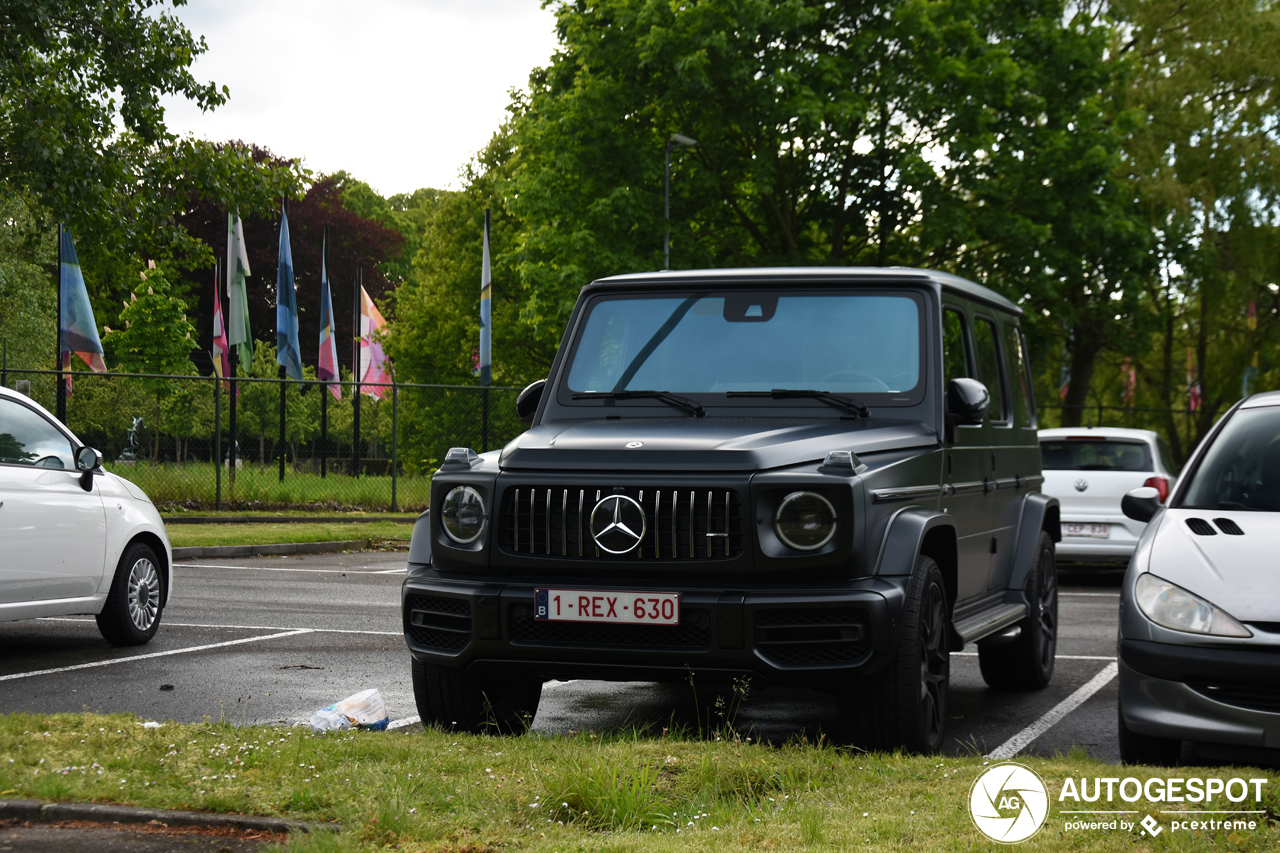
457	700
905	705
1027	662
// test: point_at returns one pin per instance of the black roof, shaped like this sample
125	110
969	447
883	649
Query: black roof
947	281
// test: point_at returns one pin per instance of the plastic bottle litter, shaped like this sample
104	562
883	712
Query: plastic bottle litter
364	710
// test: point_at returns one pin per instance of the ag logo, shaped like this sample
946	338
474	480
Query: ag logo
1008	803
618	524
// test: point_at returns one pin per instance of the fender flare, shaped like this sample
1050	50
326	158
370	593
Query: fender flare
1039	512
904	538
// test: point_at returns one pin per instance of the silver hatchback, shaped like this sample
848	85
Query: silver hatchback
1199	605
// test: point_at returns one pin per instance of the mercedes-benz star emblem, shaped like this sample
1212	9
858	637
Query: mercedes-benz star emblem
618	524
1082	484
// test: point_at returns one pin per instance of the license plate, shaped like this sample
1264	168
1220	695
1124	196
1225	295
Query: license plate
1091	531
591	605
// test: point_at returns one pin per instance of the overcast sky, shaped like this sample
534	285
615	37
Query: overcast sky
399	93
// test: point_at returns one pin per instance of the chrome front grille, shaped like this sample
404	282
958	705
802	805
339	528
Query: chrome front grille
681	524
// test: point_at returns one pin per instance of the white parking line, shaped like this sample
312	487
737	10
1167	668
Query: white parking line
1093	594
17	675
400	724
1058	657
246	627
355	570
1023	739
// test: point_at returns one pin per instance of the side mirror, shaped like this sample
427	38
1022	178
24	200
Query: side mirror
530	397
1141	504
88	463
967	401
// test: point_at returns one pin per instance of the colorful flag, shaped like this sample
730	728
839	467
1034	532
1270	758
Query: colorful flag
221	362
486	318
327	366
237	296
77	331
374	366
288	350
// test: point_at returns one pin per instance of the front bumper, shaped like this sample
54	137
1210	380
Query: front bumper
803	636
1222	696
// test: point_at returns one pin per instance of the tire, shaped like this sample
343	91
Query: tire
1147	749
456	700
1027	662
905	706
134	605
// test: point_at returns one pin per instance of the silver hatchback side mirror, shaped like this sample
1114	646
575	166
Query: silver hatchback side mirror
1141	504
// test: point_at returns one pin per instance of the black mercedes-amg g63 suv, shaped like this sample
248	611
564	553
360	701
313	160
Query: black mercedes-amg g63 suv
816	477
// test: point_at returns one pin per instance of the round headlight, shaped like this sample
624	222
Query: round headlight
805	521
463	515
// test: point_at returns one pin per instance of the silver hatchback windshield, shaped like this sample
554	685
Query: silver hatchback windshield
1241	469
847	343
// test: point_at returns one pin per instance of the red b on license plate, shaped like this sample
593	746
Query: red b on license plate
593	605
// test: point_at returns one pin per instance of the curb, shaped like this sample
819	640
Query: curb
34	810
201	551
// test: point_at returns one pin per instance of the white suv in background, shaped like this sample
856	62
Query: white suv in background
1089	469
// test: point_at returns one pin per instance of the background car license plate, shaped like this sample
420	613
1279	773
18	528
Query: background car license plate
1093	531
593	605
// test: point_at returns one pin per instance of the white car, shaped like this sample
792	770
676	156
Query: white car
75	539
1089	470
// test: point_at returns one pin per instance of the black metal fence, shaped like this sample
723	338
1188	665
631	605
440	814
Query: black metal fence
173	436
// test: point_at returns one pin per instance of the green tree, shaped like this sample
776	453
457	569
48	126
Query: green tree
156	338
1207	167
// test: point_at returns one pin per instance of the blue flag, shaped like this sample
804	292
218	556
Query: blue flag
288	349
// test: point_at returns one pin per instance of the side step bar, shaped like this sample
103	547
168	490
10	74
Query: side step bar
974	628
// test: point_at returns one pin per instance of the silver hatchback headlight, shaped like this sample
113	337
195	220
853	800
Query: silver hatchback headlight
1170	606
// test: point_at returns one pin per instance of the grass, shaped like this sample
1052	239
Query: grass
193	485
187	535
627	791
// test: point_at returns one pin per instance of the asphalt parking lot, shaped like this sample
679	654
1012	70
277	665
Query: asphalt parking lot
270	640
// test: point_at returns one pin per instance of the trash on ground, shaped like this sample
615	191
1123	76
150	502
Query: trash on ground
364	710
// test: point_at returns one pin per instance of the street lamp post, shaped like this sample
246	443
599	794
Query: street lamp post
676	139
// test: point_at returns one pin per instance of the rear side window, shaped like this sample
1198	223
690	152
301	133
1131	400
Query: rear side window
990	370
1023	401
1074	454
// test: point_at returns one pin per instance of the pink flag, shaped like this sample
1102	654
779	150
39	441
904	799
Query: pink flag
221	363
374	367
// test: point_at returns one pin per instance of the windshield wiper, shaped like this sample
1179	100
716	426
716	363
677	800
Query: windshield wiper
670	399
827	397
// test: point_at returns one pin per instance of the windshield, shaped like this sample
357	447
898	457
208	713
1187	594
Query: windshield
865	344
1242	467
1074	454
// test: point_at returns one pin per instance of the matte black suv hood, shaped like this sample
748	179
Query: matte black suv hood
707	444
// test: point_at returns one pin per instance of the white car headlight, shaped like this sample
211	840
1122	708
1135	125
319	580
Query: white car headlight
1172	607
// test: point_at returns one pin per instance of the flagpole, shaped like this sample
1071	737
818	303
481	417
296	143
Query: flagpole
324	392
233	358
217	412
283	383
355	364
62	381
